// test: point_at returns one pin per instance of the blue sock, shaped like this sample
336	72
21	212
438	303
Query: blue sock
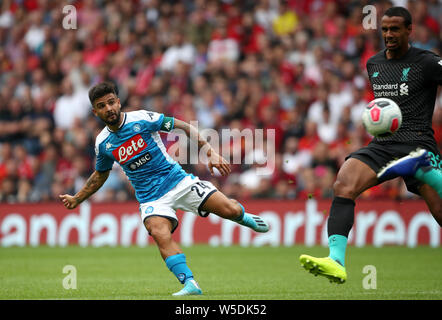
177	265
242	214
337	245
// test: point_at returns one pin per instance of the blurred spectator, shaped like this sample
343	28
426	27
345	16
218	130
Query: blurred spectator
256	180
358	105
70	106
308	185
199	31
8	192
293	158
286	21
322	158
284	183
266	12
46	172
35	36
222	47
179	51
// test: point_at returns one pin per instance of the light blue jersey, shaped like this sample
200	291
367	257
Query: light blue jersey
138	148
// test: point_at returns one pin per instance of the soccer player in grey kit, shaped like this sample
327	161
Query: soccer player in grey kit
410	77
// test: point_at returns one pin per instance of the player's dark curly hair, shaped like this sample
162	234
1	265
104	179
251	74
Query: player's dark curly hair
101	90
399	12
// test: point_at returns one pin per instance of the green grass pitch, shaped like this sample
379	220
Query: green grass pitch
224	273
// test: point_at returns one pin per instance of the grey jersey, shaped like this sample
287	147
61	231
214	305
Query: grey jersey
411	82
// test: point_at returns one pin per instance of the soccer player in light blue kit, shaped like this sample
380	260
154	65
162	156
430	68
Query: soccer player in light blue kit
161	185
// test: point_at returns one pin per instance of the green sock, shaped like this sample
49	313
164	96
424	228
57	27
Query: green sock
337	245
432	177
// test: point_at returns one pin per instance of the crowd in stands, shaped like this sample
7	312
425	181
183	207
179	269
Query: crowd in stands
297	67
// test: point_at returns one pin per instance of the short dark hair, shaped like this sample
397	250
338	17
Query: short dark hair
101	90
399	12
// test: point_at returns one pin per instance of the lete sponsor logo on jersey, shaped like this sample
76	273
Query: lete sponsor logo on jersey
129	149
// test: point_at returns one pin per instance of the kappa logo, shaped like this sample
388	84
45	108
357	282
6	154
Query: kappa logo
108	145
167	125
403	90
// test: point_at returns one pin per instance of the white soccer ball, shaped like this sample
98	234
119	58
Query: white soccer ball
382	117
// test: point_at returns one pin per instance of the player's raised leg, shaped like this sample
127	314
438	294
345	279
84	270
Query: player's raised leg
160	228
432	177
405	166
416	164
353	178
231	209
433	200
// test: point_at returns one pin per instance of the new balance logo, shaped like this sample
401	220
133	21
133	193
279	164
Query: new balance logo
403	89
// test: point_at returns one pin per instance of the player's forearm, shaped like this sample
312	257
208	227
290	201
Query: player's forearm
95	181
194	135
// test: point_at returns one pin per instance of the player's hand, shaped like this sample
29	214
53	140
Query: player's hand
70	202
217	161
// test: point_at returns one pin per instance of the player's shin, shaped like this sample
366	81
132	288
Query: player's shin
432	177
243	212
178	266
339	224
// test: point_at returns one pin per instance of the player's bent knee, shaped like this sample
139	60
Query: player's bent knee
160	233
158	228
344	190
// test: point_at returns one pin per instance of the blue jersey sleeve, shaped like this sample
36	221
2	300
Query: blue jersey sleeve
103	162
153	120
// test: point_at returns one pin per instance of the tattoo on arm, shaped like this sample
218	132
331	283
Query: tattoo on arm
95	181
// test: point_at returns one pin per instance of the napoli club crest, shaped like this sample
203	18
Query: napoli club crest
137	127
149	209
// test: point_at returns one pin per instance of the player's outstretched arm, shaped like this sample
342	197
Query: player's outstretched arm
215	160
95	181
